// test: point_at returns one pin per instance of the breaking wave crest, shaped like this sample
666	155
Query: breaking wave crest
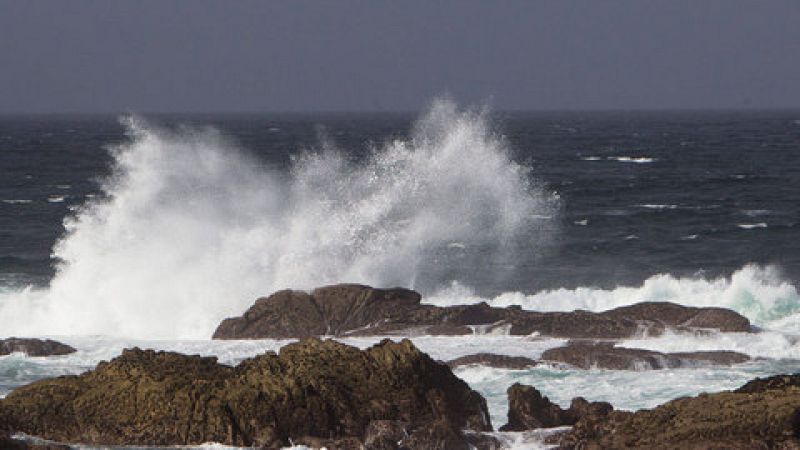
191	229
757	292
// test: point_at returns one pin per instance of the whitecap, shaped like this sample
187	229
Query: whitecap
657	206
582	222
17	201
750	226
632	159
56	198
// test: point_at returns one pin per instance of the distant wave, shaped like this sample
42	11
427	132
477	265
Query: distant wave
623	159
630	159
17	201
750	226
654	206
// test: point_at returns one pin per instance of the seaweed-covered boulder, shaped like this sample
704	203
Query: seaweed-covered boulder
311	389
352	309
762	414
34	347
605	355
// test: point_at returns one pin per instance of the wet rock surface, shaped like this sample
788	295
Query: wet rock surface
493	360
312	391
356	310
528	409
605	355
761	414
34	347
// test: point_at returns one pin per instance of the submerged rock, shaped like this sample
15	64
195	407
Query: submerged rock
312	391
351	309
528	409
761	414
34	347
493	360
604	355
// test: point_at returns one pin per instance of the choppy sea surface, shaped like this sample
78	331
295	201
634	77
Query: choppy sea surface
147	231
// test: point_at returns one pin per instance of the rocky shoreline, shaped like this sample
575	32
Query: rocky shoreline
320	393
392	396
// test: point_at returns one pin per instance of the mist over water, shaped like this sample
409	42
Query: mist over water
191	229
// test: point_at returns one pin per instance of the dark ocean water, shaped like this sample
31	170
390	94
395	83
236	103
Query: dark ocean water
641	193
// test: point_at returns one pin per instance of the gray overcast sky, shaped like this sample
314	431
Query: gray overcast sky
196	55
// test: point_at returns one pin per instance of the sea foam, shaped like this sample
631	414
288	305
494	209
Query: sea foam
758	292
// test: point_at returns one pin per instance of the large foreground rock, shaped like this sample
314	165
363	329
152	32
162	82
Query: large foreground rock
312	390
34	347
762	414
605	355
350	309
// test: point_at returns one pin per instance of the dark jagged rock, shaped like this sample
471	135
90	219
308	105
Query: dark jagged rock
674	315
311	390
385	434
442	435
492	360
761	414
437	435
34	347
528	409
351	309
604	355
778	382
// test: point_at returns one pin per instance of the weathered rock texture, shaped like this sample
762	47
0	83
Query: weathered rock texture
310	390
528	409
493	360
350	309
762	414
34	347
604	355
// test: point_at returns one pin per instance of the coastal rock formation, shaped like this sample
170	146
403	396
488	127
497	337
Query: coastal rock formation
604	355
761	414
351	309
493	360
311	390
528	409
34	347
